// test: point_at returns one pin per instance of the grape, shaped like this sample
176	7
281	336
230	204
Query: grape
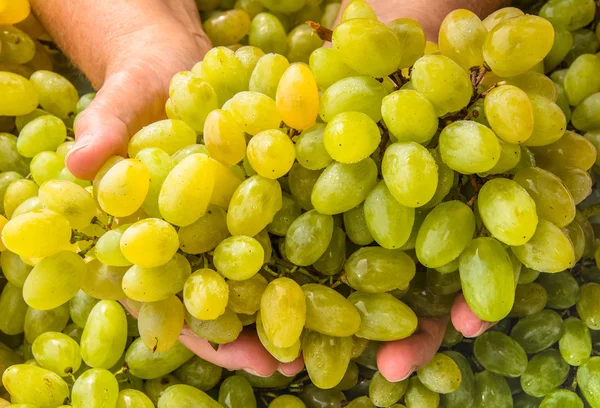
463	396
271	153
286	400
328	312
510	113
224	329
326	358
267	33
13	268
445	233
104	335
133	399
545	372
44	133
384	393
224	137
205	233
283	311
443	283
238	257
535	83
359	40
205	294
168	135
38	322
159	164
185	396
31	204
54	280
17	192
575	344
383	317
146	364
353	94
577	236
149	243
308	237
46	166
226	181
355	225
508	211
587	306
108	248
156	387
570	151
69	200
534	36
267	73
281	354
469	147
191	99
419	396
378	270
579	81
297	97
154	284
28	384
11	159
358	9
160	323
224	72
236	392
57	352
351	137
570	14
95	388
539	331
443	82
412	40
578	182
562	289
244	296
563	41
461	37
332	260
328	68
121	190
530	298
310	148
20	96
248	56
588	380
500	15
199	373
227	27
490	389
80	307
500	354
14	308
409	116
549	121
561	398
441	374
585	115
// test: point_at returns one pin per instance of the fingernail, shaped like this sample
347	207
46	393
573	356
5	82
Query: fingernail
479	332
254	373
283	372
78	147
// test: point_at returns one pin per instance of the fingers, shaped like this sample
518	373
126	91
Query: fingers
397	360
465	321
293	368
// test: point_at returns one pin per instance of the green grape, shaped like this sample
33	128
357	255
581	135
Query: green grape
500	15
450	267
419	396
224	72
160	323
57	352
563	102
350	379
154	284
570	14
443	82
310	148
549	250
419	126
384	393
283	311
65	174
149	243
423	301
156	387
167	135
441	374
578	182
20	96
545	372
378	270
585	115
308	237
80	307
146	364
535	83
84	102
549	121
343	186
108	248
159	164
451	336
302	42
248	56
6	178
133	399
539	331
358	9
244	296
226	181
561	398
205	233
491	391
570	151
271	153
517	44
365	354
410	172
205	294
31	204
104	281
281	354
38	322
562	289
70	200
224	329
353	94
28	384
328	68
464	394
588	380
57	95
224	137
326	358
95	388
54	280
301	182
8	358
185	396
563	41
332	260
445	233
469	147
412	40
267	73
192	98
530	298
227	27
528	275
287	401
17	192
46	166
253	205
267	33
461	37
577	236
290	210
579	82
328	312
383	317
22	120
12	319
355	225
178	202
11	159
238	257
509	113
13	268
236	392
587	306
122	188
44	133
575	345
17	46
508	211
199	373
500	354
359	40
104	335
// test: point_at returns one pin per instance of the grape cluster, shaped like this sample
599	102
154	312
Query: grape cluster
327	200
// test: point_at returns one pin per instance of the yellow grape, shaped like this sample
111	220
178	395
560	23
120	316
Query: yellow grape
191	98
267	73
205	294
358	9
461	37
469	147
105	335
160	323
29	385
15	11
549	121
3	222
254	111
227	181
239	257
19	96
297	97
122	190
224	137
104	281
187	189
150	242
500	15
412	40
168	135
72	201
205	233
249	56
17	192
409	116
159	164
227	27
351	137
271	153
283	312
509	113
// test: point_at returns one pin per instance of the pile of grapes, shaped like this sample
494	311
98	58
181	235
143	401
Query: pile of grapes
325	200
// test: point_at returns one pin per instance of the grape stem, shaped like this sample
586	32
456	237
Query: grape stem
77	236
324	33
592	211
385	138
474	183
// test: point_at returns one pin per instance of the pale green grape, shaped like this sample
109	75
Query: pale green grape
17	46
226	181
57	95
563	41
469	147
199	373
500	354
576	234
222	330
6	178
244	296
302	42
351	137
578	182
104	335
205	294
570	151
95	388
409	116
575	344
419	396
517	44
441	374
355	224
191	99
70	200
65	174
537	83
353	94
44	133
359	40
13	268
561	398
224	72
22	120
168	135
149	243
570	14
281	354
184	396
80	307
133	399
267	73
31	204
580	82
84	102
500	15
224	137
490	389
38	322
287	401
205	233
549	121
308	237
227	27
28	384
385	393
509	113
343	186
46	166
11	158
254	111
545	372
588	380
108	248
283	311
17	192
443	82
328	312
301	182
160	323
248	56
358	9
412	40
587	306
156	387
154	284
297	97
585	116
54	280
530	298
19	95
238	257
159	164
487	279
445	181
121	190
267	33
57	352
461	37
271	153
236	392
14	308
328	68
326	358
310	148
180	203
538	331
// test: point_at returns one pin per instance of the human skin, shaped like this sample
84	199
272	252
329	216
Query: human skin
130	50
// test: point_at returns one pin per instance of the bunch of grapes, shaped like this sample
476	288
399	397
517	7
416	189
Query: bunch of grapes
325	206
